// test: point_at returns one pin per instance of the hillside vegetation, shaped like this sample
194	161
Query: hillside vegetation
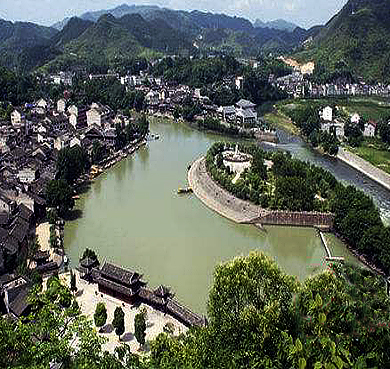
109	38
357	39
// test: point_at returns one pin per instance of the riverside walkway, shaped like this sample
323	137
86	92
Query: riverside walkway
218	199
364	167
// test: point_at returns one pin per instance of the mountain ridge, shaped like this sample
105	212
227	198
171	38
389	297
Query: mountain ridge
279	24
358	39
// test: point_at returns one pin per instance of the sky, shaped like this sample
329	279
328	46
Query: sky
305	13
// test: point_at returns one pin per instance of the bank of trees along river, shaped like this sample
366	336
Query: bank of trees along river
258	317
294	185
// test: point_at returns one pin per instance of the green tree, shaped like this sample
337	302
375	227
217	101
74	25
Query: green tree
71	163
73	286
59	195
119	321
88	253
140	328
100	316
258	166
99	152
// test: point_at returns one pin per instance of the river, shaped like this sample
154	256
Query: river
343	172
133	217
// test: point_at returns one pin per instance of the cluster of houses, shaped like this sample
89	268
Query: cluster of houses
295	85
163	99
29	146
332	124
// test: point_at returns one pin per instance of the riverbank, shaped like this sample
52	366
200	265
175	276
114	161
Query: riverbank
364	167
347	157
88	296
278	119
260	135
245	212
218	199
114	159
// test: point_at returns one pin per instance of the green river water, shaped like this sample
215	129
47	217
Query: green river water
133	217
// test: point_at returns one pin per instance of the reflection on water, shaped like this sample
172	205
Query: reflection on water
133	217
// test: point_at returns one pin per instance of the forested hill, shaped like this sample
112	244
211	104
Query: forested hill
20	42
183	20
106	39
280	24
113	41
74	28
358	37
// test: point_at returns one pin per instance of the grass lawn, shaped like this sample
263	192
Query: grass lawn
278	119
371	107
375	153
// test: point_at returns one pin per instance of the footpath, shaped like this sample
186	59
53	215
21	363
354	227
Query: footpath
365	167
218	199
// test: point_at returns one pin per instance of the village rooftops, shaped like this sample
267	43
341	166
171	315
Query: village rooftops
5	199
4	218
41	255
25	213
19	229
162	291
246	114
89	263
227	109
16	291
118	274
245	104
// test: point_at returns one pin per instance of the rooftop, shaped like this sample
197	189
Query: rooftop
245	104
119	274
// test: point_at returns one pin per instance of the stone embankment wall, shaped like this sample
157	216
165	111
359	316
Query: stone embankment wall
239	211
365	167
309	219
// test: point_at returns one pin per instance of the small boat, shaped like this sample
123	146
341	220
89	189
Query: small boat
184	190
66	260
76	197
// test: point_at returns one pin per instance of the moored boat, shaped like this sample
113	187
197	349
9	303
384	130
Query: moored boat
184	190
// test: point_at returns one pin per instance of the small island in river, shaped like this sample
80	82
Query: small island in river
275	189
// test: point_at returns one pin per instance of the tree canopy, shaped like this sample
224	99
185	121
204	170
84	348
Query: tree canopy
59	195
297	186
71	163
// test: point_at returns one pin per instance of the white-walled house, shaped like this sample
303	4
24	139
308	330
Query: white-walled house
61	105
336	127
152	98
75	141
326	114
73	109
77	116
73	120
98	114
17	119
355	118
239	82
28	175
369	129
245	112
